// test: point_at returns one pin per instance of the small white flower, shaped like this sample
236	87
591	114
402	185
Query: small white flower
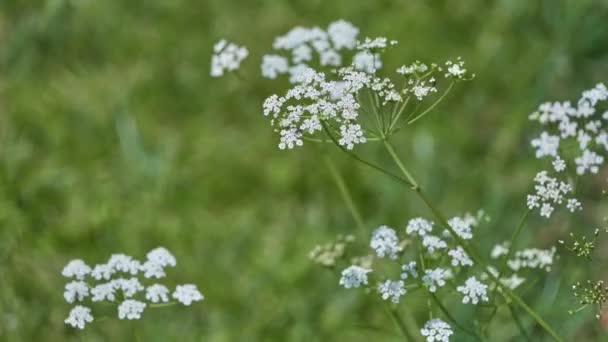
274	65
161	256
435	278
419	226
559	164
436	330
343	34
124	263
473	291
79	316
102	271
77	269
131	309
75	291
186	294
385	242
513	282
129	287
157	293
226	57
409	269
433	243
500	250
367	61
462	227
589	161
546	209
460	257
546	145
532	258
573	205
392	289
354	276
103	292
153	269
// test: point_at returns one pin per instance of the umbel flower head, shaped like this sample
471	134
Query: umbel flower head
338	94
122	278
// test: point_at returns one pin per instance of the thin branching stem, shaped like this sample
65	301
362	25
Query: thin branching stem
431	107
346	195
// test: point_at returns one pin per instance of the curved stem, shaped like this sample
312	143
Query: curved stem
519	323
447	314
346	195
426	111
399	323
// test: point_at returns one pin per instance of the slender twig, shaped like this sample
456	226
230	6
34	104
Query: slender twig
426	111
519	323
447	314
346	195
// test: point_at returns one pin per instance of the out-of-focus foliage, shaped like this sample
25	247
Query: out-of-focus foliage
114	138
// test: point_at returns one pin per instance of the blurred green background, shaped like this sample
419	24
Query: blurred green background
114	138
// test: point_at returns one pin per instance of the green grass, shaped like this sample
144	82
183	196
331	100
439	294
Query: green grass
113	138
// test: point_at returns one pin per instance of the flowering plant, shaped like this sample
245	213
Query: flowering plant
344	98
116	283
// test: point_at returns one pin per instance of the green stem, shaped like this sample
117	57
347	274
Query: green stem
431	107
447	314
393	154
400	324
518	322
346	195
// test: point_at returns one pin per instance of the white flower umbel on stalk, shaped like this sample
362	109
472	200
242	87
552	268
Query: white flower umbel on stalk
157	293
354	276
533	258
419	226
385	242
549	192
131	309
409	269
474	291
436	330
435	278
392	289
304	44
330	94
79	316
581	125
117	280
226	57
462	226
460	257
76	291
76	269
433	243
186	294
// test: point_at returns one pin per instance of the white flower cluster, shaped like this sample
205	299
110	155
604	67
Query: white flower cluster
533	258
473	291
392	289
385	242
226	57
419	226
435	278
302	42
116	288
354	276
582	123
329	100
549	192
436	330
